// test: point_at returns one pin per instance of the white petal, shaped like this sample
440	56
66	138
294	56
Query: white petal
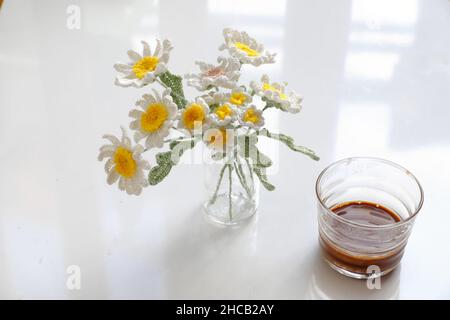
144	164
149	98
125	139
107	147
114	140
105	154
129	189
167	46
135	114
158	48
134	125
150	76
146	51
112	176
138	136
123	68
123	82
160	68
166	93
122	183
135	189
108	165
156	95
134	56
137	150
172	107
149	142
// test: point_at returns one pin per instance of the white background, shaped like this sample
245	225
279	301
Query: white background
376	80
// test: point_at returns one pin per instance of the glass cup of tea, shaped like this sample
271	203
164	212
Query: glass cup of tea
366	211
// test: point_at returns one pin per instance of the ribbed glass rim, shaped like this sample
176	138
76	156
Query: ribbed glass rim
361	225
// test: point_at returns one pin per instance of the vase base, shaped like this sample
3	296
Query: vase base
218	212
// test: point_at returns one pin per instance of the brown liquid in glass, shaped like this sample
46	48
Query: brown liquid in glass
366	213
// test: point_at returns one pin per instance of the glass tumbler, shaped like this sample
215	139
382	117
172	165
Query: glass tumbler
363	249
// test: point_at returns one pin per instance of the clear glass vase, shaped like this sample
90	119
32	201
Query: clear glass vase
232	190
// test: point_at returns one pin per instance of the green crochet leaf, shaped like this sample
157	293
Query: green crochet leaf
162	169
272	104
261	174
175	83
289	141
166	160
179	147
158	173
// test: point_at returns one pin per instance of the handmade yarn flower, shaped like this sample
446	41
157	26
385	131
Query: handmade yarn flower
243	47
125	163
274	93
224	75
143	69
154	121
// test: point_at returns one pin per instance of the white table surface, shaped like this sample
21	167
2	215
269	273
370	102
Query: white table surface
376	80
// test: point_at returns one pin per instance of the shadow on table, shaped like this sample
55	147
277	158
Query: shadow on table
326	283
206	261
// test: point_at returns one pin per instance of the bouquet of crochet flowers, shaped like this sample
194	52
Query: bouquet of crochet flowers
227	117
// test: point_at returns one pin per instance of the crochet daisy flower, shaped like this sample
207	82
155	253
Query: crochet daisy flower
124	163
225	74
194	115
154	119
239	97
251	117
275	92
222	111
143	69
243	47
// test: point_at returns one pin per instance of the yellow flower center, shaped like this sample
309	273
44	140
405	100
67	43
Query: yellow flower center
193	113
153	118
268	87
251	116
249	51
144	66
125	165
238	98
223	111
